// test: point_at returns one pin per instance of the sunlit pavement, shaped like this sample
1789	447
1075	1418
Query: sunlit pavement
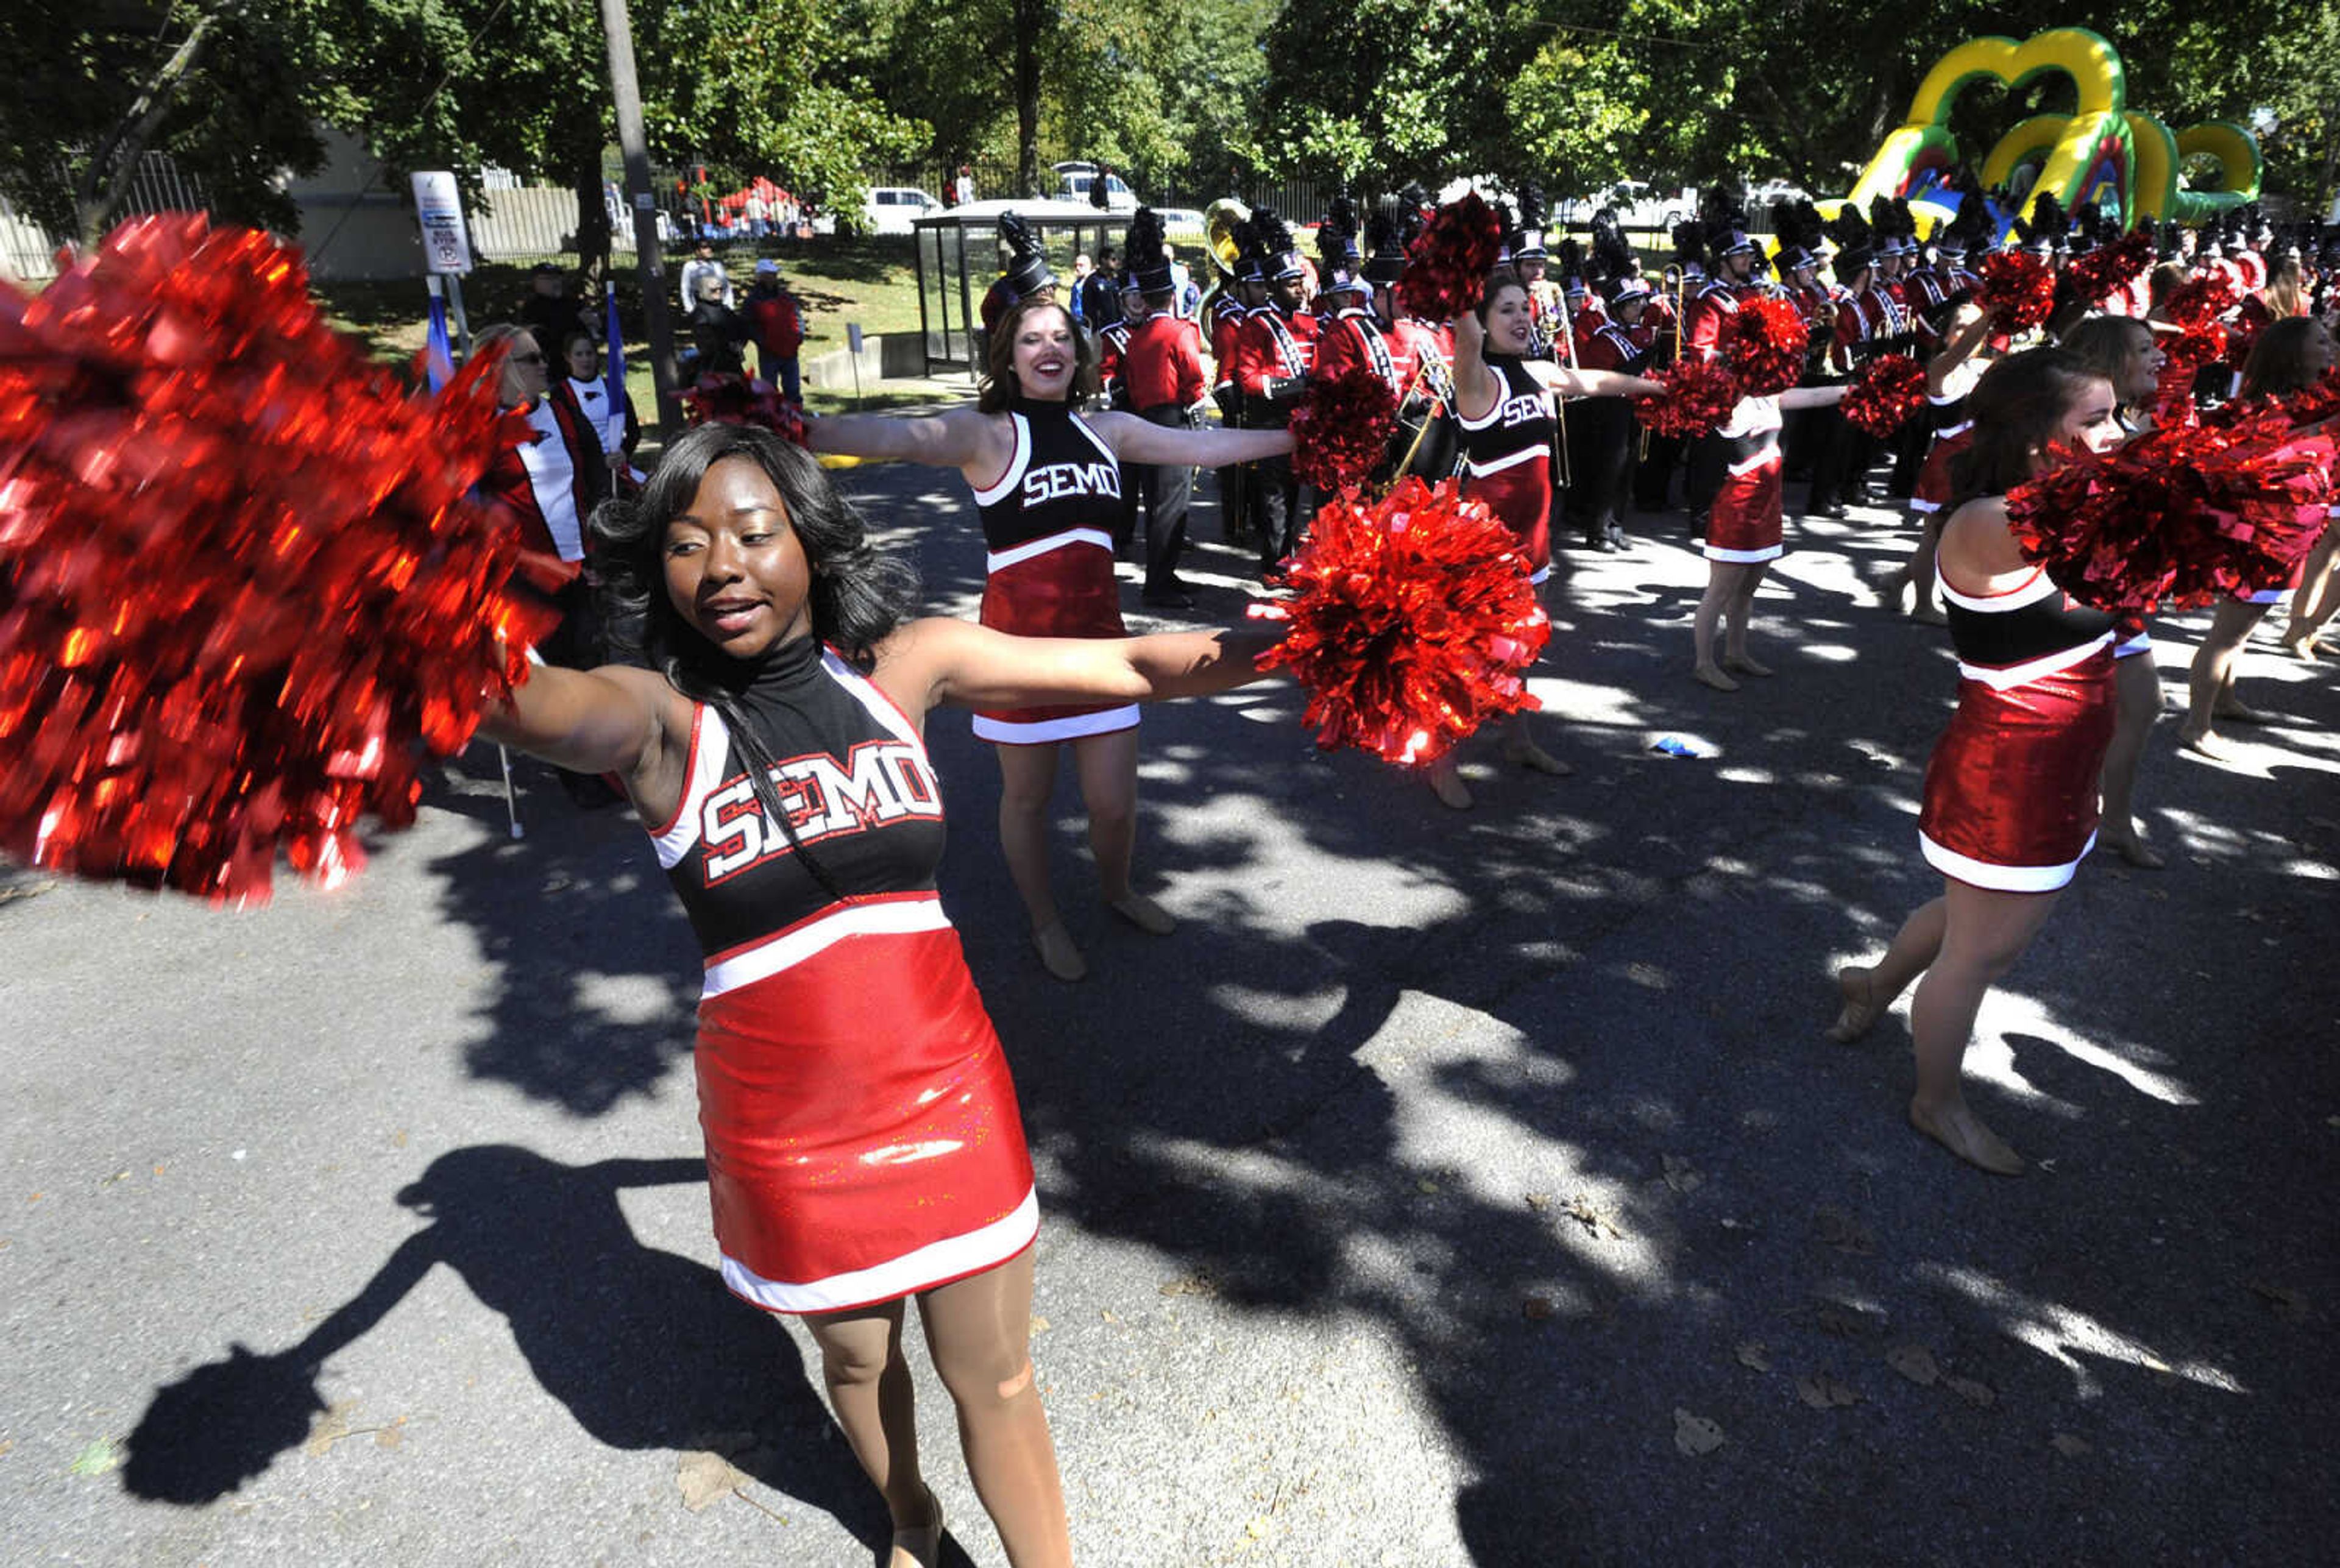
1438	1193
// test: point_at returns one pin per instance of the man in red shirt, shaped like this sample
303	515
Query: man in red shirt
778	328
1162	371
1277	347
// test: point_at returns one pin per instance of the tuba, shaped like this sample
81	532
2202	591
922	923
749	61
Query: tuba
1219	221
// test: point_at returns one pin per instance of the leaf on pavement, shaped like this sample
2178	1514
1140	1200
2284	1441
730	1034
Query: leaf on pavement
1584	1212
1680	1175
1825	1391
1847	1321
1538	1307
97	1459
2069	1446
1839	1230
1695	1435
1755	1355
2288	1304
1914	1362
1201	1285
328	1427
706	1478
1539	1201
1979	1395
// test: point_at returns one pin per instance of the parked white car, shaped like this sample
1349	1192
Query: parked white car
1073	181
891	209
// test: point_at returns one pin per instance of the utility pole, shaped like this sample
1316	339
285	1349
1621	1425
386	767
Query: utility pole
650	261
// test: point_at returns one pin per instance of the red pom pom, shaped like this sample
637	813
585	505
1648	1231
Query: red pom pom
730	398
2204	343
1342	428
1887	393
2095	276
1765	345
2018	288
2200	300
1700	395
1413	624
2182	516
1447	264
2316	404
242	579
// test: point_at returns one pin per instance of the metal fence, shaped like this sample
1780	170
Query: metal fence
155	185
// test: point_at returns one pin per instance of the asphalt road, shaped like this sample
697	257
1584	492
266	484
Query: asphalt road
1416	1203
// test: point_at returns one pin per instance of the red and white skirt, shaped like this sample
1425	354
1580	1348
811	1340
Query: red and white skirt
1520	498
862	1136
1745	523
2010	797
1932	491
1060	586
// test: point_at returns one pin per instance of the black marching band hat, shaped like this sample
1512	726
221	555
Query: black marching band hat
1279	257
1529	245
1718	209
1853	239
1027	271
1614	264
1146	257
1572	268
2044	233
1801	234
1690	248
1340	266
1385	242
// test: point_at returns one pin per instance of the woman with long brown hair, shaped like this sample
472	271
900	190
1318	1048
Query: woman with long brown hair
2291	355
2122	349
1047	481
2010	794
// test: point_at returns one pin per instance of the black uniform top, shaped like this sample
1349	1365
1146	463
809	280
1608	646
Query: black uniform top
859	794
2024	623
1062	477
1521	421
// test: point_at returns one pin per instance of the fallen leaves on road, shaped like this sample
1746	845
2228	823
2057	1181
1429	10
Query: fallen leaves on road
1755	1355
97	1459
1541	1201
2069	1446
2286	1302
1825	1391
1201	1285
1979	1395
328	1427
1680	1173
1537	1309
1839	1230
706	1479
1040	1324
1914	1362
1695	1435
1586	1213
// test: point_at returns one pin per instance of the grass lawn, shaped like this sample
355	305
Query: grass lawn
871	282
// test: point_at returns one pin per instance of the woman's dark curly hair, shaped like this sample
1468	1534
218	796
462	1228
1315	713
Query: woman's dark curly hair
858	593
2017	408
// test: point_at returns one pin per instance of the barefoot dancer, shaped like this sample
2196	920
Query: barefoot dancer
2010	796
863	1142
1048	482
1503	402
1745	530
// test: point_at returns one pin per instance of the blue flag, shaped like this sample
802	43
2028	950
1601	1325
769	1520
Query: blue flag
614	370
438	355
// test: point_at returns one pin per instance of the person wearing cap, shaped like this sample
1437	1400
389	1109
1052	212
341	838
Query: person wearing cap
1099	305
1225	314
1841	454
1026	277
703	265
1162	366
1712	305
717	334
777	327
1547	310
1279	349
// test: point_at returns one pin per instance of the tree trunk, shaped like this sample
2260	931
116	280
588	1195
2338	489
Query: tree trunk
1031	16
593	216
99	190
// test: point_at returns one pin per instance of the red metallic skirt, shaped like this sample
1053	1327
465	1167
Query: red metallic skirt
1064	588
862	1136
1745	524
2010	800
1933	488
1520	498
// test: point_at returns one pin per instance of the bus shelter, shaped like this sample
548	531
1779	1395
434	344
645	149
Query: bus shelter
960	255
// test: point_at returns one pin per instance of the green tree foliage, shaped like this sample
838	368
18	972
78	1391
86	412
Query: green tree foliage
1577	95
219	85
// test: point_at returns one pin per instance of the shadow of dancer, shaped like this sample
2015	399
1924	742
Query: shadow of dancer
646	1348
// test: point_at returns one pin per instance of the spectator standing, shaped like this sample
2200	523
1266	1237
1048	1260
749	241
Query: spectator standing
778	327
703	265
549	312
1082	268
962	188
717	330
759	215
1100	293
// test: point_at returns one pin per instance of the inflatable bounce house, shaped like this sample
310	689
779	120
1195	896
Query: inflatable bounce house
2104	154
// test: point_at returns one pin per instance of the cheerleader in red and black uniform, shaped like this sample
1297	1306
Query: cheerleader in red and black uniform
2010	794
863	1142
1504	403
2292	355
1745	529
1048	482
1950	374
